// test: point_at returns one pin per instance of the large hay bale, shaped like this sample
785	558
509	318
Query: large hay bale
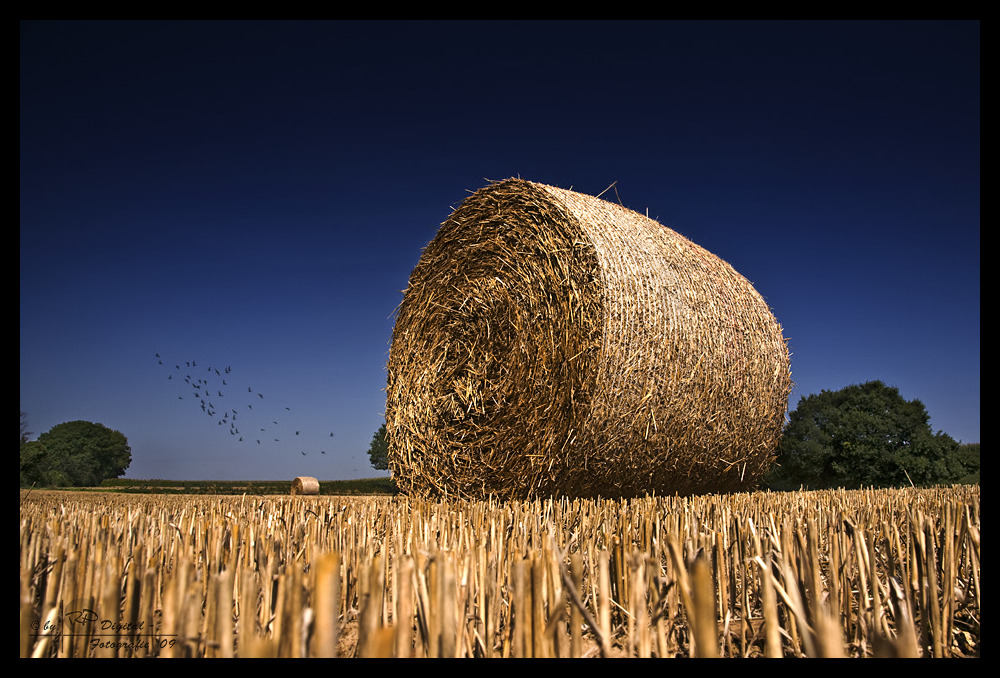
552	343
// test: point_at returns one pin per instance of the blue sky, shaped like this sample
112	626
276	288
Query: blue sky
254	196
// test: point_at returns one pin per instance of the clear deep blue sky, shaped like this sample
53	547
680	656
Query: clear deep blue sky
254	196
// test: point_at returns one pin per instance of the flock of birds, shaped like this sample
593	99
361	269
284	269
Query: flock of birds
240	411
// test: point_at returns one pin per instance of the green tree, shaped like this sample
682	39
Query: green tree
968	455
32	456
378	451
863	435
27	455
77	453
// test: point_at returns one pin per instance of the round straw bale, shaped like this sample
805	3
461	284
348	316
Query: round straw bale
305	485
552	343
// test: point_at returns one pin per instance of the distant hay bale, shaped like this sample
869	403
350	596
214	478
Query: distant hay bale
550	343
305	485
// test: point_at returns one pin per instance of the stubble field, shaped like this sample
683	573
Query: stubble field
858	573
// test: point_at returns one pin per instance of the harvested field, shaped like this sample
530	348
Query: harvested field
820	574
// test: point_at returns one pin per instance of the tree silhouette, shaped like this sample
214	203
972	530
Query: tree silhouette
378	451
24	427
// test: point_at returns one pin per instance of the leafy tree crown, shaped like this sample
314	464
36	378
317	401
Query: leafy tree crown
863	435
76	453
378	451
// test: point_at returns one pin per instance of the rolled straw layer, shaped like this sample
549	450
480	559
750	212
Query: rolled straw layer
552	343
305	485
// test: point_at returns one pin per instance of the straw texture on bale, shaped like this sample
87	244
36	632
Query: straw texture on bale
305	485
552	343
